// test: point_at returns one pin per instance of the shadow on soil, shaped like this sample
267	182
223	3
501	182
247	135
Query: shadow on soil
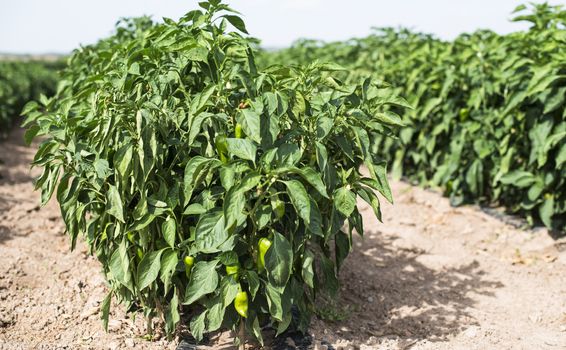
15	158
390	294
6	233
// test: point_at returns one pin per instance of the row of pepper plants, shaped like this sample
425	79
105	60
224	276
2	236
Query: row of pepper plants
211	189
489	124
20	82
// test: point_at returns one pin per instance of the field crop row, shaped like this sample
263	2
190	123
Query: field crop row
489	117
21	81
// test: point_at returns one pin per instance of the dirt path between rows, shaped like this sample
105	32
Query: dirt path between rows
430	277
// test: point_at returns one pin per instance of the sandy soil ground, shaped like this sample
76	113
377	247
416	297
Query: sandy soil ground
430	277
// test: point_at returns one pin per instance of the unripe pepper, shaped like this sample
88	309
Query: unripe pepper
279	209
233	270
221	147
464	113
241	303
189	262
312	161
263	246
238	131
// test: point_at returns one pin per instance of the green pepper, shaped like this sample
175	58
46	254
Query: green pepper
263	246
279	208
233	270
464	113
222	147
238	131
189	262
241	303
312	160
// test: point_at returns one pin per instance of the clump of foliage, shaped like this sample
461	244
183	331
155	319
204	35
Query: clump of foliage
489	123
199	180
20	82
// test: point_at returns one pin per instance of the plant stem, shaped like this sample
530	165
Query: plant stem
242	334
150	326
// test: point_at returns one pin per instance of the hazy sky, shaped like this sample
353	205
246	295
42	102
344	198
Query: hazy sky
58	26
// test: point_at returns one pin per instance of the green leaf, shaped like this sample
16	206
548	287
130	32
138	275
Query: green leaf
343	247
228	258
229	288
309	174
329	272
204	280
250	122
278	261
378	173
119	266
215	314
561	157
227	177
546	211
323	127
197	326
315	219
299	198
519	8
30	133
134	69
262	216
314	179
390	118
148	269
253	324
169	229
518	178
543	77
288	155
210	232
172	316
123	159
169	261
274	302
370	198
198	53
253	282
237	22
331	67
345	201
105	309
307	271
114	203
234	204
242	148
195	171
194	209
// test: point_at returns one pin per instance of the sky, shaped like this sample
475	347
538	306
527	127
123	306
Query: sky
59	26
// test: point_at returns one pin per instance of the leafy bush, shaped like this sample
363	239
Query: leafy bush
199	180
21	81
489	123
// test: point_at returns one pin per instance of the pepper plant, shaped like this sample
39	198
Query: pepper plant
206	185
